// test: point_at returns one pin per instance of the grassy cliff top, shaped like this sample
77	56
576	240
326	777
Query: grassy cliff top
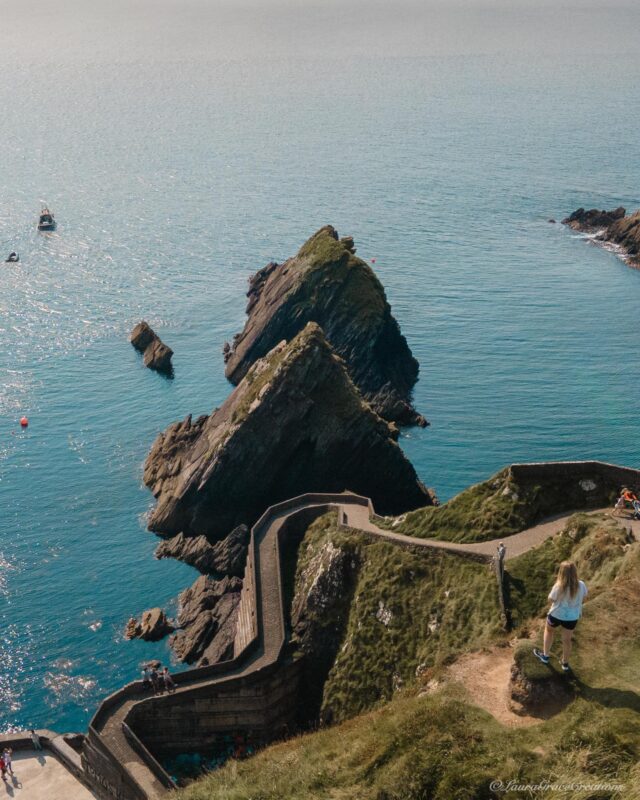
508	502
438	745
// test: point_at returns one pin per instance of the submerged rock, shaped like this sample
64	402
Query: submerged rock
156	354
326	283
227	556
153	626
207	620
294	424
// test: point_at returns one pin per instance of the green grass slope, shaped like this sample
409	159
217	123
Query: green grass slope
437	746
504	504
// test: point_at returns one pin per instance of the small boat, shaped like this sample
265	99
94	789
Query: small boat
47	221
12	258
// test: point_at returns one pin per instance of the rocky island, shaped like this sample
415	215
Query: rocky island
611	227
326	283
294	424
155	353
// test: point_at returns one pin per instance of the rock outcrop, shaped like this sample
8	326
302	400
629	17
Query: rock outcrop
153	625
156	354
294	424
207	621
227	557
593	219
535	689
327	284
319	615
613	227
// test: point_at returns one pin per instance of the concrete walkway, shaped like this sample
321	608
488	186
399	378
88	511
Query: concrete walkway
40	776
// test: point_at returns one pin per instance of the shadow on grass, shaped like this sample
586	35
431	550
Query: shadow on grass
608	697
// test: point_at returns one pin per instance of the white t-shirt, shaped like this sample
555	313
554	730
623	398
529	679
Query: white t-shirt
564	606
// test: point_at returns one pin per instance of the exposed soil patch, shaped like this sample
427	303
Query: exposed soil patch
485	676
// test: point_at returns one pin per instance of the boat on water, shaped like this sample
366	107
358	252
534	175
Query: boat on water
47	221
12	258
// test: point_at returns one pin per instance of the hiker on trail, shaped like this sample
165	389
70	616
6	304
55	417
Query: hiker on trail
619	506
567	595
6	757
169	683
146	678
629	497
502	549
155	681
35	740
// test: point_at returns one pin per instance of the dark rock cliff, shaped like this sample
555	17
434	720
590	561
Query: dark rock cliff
613	226
226	557
294	424
328	284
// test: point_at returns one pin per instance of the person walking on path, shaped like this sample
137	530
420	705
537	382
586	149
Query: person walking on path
35	740
169	683
6	757
567	596
146	678
3	769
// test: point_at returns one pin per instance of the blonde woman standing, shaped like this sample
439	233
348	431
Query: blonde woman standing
567	596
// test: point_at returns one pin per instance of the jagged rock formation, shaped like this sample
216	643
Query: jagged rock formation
226	557
326	283
294	424
156	354
207	621
615	228
593	219
153	626
319	615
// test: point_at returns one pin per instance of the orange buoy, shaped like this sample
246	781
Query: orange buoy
24	422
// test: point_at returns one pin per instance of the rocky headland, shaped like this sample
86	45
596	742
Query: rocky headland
611	227
322	376
155	353
328	284
295	423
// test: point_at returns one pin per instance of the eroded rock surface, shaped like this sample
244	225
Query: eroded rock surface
593	219
319	615
326	283
294	424
228	556
207	620
614	228
153	625
156	354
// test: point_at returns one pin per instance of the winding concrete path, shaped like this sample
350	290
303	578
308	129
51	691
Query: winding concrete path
109	731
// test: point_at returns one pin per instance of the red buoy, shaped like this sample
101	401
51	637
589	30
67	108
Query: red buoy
373	261
24	422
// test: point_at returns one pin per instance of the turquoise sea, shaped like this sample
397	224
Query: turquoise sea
174	179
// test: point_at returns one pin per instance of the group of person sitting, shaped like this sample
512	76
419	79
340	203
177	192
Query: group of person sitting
627	500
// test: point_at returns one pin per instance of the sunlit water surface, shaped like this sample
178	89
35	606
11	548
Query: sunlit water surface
172	182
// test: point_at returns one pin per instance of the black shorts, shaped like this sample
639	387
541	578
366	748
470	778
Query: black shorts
569	624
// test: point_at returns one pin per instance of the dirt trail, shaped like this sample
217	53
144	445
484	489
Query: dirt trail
485	676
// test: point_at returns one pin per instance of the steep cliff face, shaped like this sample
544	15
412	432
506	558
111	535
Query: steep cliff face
328	284
294	424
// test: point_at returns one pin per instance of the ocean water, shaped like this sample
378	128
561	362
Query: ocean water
172	181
